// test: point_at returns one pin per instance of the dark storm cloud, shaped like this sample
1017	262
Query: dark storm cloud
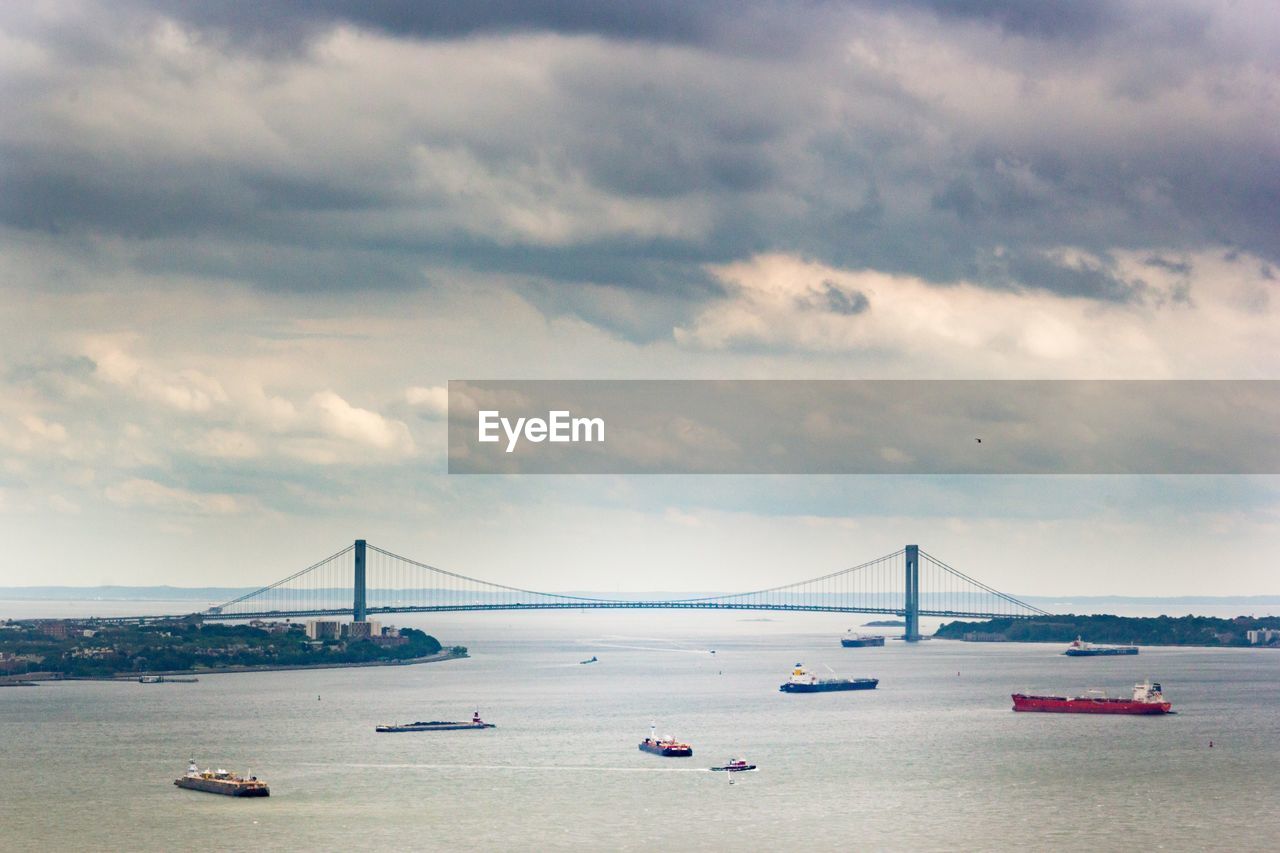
1052	19
281	266
1090	281
660	20
655	268
79	366
672	21
1179	267
835	299
695	134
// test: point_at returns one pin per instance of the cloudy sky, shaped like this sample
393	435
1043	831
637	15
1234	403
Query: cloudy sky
243	247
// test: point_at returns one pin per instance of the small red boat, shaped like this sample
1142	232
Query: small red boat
1147	699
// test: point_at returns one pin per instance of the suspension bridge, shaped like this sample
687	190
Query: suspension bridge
363	580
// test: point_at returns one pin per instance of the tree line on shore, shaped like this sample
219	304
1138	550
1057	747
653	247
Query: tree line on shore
1107	628
98	649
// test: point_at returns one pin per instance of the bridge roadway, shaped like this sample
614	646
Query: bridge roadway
595	605
775	599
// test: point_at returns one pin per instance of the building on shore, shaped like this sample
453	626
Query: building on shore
272	627
362	630
1263	636
324	629
56	628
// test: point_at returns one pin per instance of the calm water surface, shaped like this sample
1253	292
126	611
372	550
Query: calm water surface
932	760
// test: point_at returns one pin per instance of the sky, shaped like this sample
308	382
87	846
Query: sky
243	248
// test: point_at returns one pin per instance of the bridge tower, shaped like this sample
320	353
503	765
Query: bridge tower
358	603
911	606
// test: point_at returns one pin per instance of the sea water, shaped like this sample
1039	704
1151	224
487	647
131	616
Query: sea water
932	760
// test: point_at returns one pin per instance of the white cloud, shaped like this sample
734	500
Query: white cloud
433	400
61	504
44	430
339	418
32	434
149	494
223	410
226	444
679	517
640	153
187	390
967	330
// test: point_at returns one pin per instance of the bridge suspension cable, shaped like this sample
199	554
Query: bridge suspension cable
449	588
872	591
366	579
322	587
1008	605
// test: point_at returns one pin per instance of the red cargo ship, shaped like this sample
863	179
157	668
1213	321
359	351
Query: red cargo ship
1147	699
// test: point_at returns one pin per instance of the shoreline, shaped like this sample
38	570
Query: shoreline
1135	645
134	676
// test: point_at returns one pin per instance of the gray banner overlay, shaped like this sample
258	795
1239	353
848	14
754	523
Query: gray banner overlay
864	427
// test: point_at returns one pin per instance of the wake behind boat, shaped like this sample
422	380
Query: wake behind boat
438	726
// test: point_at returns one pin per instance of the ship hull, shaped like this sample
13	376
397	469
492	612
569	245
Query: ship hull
861	643
667	751
1095	653
1087	705
435	727
831	686
227	789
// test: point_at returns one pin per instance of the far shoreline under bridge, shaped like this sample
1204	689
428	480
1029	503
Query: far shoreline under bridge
363	580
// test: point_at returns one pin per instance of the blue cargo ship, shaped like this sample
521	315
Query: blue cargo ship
803	681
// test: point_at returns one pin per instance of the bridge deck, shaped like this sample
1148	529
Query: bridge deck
908	583
600	605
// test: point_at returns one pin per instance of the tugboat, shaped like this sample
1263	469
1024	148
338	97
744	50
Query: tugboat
438	726
856	641
735	765
1080	649
221	782
1147	699
668	746
803	681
